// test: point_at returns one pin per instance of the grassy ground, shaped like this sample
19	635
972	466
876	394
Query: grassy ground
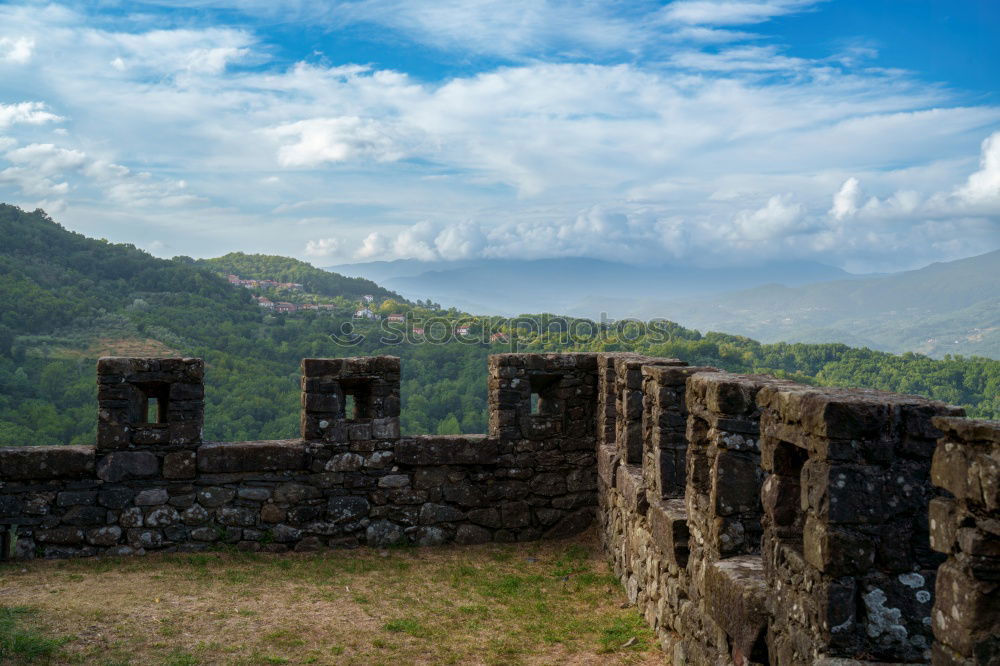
538	603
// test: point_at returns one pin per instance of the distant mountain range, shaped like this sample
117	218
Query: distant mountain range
951	307
945	308
575	286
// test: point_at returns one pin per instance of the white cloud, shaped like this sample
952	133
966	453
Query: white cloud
779	217
322	247
984	185
460	241
47	159
16	51
847	199
565	153
29	113
320	140
745	58
730	12
416	242
373	246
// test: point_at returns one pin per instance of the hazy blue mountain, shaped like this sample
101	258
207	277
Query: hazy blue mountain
576	286
945	308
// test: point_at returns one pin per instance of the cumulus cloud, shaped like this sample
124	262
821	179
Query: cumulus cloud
984	185
847	199
47	159
321	248
16	51
29	113
319	140
720	143
780	216
374	245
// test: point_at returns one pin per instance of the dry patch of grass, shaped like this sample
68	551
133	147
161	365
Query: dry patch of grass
537	603
114	347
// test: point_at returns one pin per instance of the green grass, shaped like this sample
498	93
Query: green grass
20	644
542	602
407	626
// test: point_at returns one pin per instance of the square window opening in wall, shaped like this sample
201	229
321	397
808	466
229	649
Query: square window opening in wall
151	403
788	516
544	401
357	399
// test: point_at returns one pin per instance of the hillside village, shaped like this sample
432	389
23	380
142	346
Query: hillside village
364	310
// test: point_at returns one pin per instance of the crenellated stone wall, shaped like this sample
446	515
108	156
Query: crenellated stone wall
751	520
965	526
151	483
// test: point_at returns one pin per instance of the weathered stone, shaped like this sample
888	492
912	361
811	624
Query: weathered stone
64	536
195	515
125	465
85	515
271	513
431	514
285	533
115	498
161	516
293	493
131	517
212	497
394	481
472	534
446	450
345	462
46	462
384	533
230	457
104	536
144	538
254	494
243	516
735	593
347	508
179	465
151	497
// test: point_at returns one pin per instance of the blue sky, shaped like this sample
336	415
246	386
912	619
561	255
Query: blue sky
862	134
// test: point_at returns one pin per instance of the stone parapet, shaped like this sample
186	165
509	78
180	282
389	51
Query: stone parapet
966	528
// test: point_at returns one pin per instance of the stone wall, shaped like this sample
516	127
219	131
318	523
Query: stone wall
751	520
801	536
151	484
966	528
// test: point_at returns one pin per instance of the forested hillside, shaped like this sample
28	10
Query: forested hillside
68	299
286	269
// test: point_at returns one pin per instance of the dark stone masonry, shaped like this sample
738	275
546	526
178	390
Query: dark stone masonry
751	520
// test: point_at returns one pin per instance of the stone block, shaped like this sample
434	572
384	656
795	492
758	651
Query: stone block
943	518
47	462
668	529
447	450
126	465
735	597
607	464
632	488
837	551
180	465
472	534
235	457
736	483
151	497
347	508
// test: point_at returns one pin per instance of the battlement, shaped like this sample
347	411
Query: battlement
750	519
